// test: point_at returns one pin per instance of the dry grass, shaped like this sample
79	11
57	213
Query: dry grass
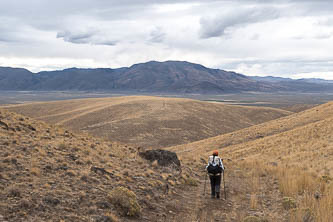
293	153
307	196
149	121
49	173
295	150
288	137
254	201
190	181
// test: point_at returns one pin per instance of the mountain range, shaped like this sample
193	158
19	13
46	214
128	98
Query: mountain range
169	77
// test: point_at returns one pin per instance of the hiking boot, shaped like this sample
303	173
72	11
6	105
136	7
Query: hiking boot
218	195
212	196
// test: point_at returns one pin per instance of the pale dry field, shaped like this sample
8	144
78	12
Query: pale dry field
148	121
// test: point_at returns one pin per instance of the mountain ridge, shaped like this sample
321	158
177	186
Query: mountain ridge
153	76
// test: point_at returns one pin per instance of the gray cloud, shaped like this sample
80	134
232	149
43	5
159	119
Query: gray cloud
268	32
218	25
78	38
87	37
157	35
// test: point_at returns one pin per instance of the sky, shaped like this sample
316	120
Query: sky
287	38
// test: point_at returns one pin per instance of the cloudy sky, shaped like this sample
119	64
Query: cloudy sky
289	38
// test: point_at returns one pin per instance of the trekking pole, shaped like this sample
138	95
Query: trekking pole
205	184
225	192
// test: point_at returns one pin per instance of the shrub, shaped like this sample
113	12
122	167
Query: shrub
62	146
191	181
288	203
126	201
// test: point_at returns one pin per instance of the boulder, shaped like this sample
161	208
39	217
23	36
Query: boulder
163	157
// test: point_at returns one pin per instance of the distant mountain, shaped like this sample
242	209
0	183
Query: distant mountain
16	78
270	79
316	80
281	79
170	76
305	85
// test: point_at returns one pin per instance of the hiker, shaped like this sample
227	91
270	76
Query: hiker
214	169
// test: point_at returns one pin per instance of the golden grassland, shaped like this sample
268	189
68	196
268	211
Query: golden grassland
48	173
296	150
280	170
148	121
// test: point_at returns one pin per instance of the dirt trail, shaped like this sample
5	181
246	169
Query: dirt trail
195	206
192	205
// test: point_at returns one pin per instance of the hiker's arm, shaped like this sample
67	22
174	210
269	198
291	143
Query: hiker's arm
221	164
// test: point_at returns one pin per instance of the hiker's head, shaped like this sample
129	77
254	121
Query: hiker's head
215	153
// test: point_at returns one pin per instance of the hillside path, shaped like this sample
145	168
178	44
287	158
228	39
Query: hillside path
193	205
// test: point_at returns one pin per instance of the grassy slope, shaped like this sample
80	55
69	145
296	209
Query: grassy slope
295	152
260	132
31	163
148	121
46	174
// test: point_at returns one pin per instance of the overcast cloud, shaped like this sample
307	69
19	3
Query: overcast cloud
290	38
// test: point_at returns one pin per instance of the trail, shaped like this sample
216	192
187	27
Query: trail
193	205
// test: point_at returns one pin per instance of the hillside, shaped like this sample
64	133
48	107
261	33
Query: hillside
164	77
51	174
295	152
148	121
274	127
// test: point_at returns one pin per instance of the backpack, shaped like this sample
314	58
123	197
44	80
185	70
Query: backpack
214	169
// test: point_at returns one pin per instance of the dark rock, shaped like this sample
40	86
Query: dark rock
317	195
103	205
31	128
25	204
78	162
6	143
163	157
102	171
104	219
85	178
14	161
14	193
4	125
70	174
63	167
51	201
73	157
